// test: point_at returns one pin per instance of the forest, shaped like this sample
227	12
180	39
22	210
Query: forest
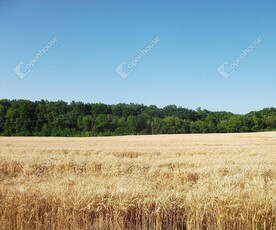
59	118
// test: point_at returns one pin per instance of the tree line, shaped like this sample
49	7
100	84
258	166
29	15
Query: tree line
45	118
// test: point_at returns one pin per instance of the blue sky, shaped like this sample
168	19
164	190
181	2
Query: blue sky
94	37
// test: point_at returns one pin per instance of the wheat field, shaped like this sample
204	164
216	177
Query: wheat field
200	181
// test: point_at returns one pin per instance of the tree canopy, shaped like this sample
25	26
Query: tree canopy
45	118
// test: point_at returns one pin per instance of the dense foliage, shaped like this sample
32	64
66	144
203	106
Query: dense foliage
44	118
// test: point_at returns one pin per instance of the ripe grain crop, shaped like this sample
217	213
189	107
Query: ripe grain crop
200	181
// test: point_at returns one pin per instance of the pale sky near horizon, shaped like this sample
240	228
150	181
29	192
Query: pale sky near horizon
94	37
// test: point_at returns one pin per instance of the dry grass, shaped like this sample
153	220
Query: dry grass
214	181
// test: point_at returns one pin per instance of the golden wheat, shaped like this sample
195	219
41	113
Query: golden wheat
211	181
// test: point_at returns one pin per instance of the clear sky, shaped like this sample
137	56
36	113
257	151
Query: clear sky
94	37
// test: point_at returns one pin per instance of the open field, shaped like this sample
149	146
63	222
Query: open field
205	181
